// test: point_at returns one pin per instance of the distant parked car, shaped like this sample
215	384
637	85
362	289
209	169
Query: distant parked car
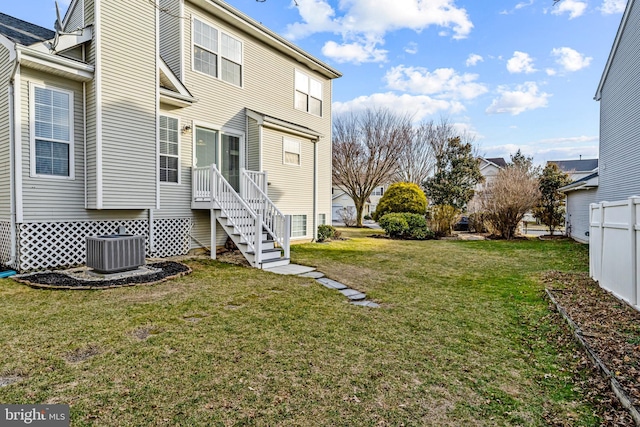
462	224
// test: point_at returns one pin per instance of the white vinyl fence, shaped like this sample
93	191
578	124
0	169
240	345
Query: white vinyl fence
614	238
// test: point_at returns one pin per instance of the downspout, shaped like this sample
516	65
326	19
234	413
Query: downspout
15	180
315	189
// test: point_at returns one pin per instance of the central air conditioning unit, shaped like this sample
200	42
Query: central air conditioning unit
115	253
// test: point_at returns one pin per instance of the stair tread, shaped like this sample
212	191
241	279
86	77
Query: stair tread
266	251
267	261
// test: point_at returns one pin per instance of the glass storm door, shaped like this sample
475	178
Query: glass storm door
206	147
230	166
225	155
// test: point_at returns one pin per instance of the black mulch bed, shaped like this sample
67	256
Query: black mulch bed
53	280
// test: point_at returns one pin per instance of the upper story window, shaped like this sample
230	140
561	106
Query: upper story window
379	191
51	132
216	53
308	94
169	157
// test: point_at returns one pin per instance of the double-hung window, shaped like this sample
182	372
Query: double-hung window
52	132
216	53
169	157
308	94
298	225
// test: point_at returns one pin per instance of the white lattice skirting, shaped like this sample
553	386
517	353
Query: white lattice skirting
62	244
5	243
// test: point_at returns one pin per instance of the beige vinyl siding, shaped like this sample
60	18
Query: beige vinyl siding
620	118
253	145
296	198
129	68
5	135
76	19
51	199
578	213
201	230
170	27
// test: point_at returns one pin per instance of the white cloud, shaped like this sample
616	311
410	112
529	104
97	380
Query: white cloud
524	4
574	8
473	59
419	106
521	62
610	7
411	48
442	82
570	59
371	20
523	98
353	52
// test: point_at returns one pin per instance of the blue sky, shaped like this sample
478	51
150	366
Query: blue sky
515	74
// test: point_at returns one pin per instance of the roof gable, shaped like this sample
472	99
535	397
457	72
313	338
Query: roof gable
23	32
614	48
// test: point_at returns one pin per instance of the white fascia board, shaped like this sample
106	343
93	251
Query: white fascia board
183	92
54	64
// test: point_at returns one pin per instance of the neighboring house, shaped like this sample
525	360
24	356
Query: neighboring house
121	118
580	193
489	168
576	169
341	200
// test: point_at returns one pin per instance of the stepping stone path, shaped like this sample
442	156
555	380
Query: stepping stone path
355	297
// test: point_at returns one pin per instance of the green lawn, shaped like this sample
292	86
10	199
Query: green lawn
464	337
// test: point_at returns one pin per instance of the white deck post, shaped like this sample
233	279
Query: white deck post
287	236
265	183
258	241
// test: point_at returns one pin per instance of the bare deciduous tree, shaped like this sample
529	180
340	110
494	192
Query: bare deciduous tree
427	140
508	198
366	149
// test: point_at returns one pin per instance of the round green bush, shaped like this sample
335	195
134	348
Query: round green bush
401	197
326	232
394	224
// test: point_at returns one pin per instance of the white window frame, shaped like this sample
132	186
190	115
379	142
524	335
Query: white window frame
297	142
32	133
322	219
218	54
170	155
306	229
308	92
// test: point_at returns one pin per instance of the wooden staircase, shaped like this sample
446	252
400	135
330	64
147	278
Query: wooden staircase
259	230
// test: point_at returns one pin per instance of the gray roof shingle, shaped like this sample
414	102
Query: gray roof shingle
23	32
576	165
499	161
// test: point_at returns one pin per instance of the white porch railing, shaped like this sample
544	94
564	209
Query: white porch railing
259	178
275	222
244	220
